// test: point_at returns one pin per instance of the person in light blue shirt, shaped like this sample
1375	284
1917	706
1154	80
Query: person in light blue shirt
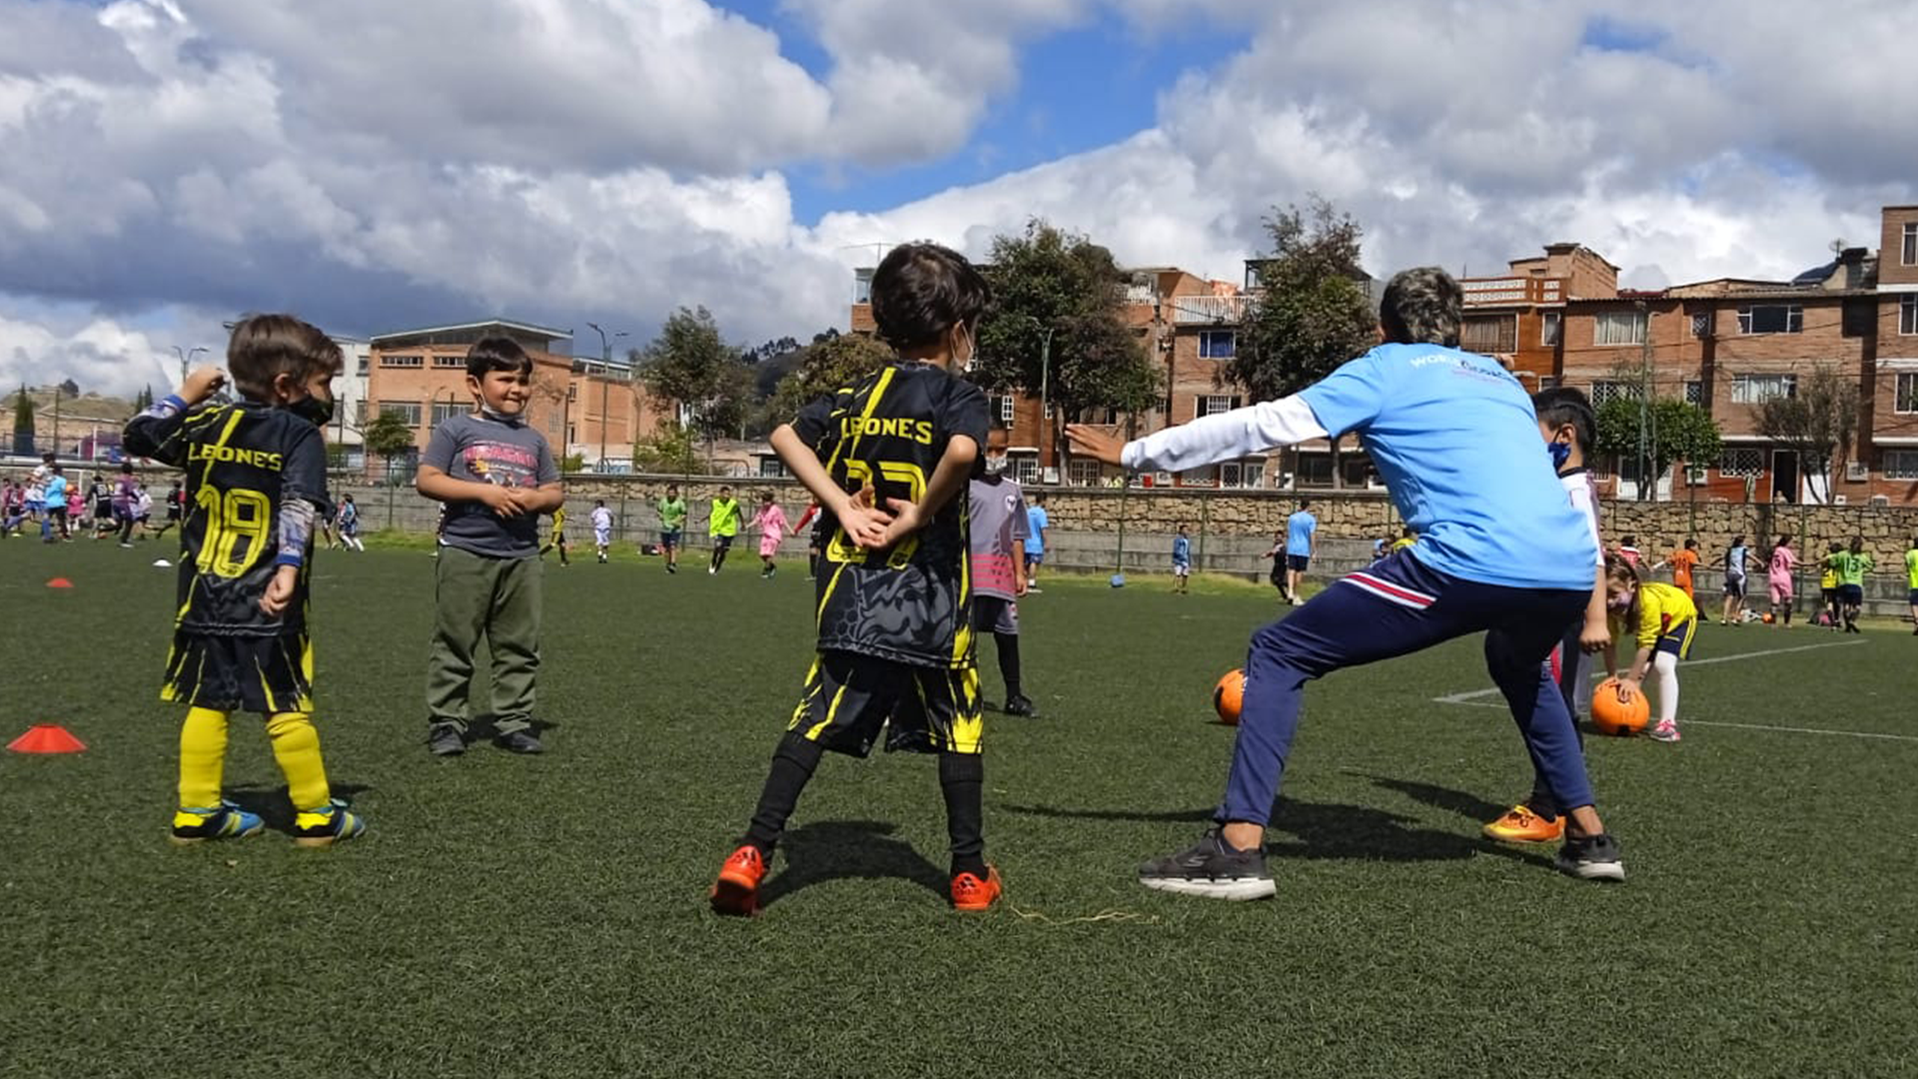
1181	560
1501	551
1298	549
1036	524
53	526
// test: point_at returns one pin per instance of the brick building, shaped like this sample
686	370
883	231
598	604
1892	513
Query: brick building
1726	345
587	408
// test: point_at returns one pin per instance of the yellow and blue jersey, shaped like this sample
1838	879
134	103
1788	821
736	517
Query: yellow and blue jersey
1663	610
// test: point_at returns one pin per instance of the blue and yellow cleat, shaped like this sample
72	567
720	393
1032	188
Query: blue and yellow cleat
224	821
325	827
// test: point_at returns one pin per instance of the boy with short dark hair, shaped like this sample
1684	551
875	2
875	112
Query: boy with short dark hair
1299	530
996	517
889	459
1500	551
256	473
722	526
495	474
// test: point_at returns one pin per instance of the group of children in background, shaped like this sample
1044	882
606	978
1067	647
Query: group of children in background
62	509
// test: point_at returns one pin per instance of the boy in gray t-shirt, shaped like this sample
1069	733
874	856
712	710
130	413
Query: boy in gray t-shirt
496	476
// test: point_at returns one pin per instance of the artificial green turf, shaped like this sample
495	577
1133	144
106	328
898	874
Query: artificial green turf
546	916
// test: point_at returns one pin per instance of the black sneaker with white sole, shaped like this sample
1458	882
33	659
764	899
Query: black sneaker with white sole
1591	857
1211	869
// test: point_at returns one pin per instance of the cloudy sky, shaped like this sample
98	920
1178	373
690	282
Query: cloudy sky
374	165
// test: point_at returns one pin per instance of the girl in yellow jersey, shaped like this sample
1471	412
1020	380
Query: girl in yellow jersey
1663	619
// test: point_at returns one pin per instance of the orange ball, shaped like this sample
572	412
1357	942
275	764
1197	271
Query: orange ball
1227	696
1611	716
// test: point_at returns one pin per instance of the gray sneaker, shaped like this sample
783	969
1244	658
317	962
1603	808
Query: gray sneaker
1592	857
1211	869
445	740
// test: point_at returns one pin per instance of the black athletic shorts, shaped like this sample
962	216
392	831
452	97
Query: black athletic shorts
995	614
850	698
265	675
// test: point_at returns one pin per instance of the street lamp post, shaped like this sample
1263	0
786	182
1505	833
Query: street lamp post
186	358
605	373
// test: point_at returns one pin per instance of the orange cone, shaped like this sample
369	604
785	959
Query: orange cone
46	738
59	582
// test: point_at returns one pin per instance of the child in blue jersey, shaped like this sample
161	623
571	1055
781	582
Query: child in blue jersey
1299	530
1181	560
1500	550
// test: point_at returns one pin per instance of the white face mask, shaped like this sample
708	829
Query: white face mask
996	466
971	351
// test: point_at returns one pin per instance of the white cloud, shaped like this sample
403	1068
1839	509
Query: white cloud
373	165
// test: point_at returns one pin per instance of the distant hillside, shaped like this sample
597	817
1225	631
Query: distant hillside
91	406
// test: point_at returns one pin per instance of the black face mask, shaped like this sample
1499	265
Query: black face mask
314	410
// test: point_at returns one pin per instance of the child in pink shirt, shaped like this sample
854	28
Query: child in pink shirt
771	522
1783	562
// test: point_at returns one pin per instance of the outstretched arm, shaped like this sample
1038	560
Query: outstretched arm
1226	436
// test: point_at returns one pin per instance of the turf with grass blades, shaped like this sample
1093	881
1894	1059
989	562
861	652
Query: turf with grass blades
547	916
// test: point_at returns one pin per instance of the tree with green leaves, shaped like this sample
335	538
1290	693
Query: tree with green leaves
388	437
1673	431
691	365
828	364
1311	313
1056	326
1818	422
23	423
669	451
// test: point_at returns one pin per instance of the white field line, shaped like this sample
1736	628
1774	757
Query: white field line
1471	699
1473	696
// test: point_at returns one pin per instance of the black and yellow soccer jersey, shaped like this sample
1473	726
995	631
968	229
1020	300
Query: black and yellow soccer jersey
244	463
910	603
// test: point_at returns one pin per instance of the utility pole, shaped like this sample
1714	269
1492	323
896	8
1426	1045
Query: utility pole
186	358
56	419
1645	407
605	375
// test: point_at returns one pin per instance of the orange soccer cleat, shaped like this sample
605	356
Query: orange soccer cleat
972	894
737	889
1521	825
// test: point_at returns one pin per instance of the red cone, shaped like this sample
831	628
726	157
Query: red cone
59	582
46	738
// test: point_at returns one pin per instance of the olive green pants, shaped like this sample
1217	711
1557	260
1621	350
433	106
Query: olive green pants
498	598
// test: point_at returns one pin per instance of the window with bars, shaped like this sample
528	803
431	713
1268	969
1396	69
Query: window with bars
1757	389
1005	411
446	410
365	365
1613	390
1910	251
1771	318
1213	404
1619	328
1025	468
1489	333
1084	473
407	411
1550	324
1742	462
1694	392
449	359
402	361
1217	344
1905	393
1901	464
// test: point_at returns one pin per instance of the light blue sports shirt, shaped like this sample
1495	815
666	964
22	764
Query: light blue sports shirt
1454	436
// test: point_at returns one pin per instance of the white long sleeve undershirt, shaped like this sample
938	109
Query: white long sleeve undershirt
1225	436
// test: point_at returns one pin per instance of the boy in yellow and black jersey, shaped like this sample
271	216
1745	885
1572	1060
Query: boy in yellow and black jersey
889	459
255	485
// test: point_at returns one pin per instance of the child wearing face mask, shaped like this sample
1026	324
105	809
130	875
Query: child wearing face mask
1664	620
1569	425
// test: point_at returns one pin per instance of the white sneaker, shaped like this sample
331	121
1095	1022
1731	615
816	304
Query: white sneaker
711	570
1666	731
